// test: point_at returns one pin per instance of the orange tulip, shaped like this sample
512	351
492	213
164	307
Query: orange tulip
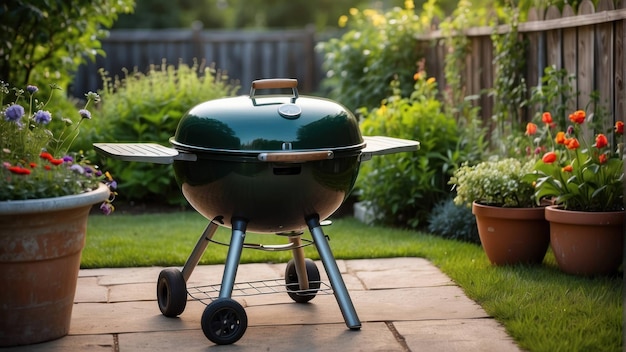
601	141
549	157
567	168
578	117
531	129
560	138
546	117
572	144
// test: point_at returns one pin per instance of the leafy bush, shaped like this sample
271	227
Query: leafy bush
452	221
42	41
497	182
147	108
376	48
404	187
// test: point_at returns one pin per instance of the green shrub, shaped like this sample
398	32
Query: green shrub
452	221
376	48
147	108
404	187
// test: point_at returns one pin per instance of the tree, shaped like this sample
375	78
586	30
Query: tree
46	40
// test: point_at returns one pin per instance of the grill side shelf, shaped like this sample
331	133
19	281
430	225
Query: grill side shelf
380	145
142	152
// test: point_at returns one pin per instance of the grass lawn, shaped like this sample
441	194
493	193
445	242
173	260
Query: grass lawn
541	308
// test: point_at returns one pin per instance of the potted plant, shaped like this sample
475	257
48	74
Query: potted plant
585	182
512	229
46	193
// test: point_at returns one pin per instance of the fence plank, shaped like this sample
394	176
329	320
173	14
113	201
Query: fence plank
554	40
585	79
605	66
570	53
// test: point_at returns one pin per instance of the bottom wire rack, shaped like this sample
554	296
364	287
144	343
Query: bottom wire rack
261	287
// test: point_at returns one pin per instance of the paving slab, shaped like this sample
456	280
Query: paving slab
404	304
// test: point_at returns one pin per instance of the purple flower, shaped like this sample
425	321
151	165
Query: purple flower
77	168
32	89
14	113
85	114
106	208
112	184
68	159
43	117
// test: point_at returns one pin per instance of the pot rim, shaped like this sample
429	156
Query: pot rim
526	213
11	207
556	213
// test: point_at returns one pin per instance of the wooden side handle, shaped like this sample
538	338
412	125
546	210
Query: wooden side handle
296	157
275	83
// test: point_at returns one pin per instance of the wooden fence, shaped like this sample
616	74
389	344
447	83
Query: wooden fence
589	45
243	55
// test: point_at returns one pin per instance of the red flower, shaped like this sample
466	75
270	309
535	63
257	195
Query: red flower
601	141
531	129
549	157
546	118
56	161
19	170
32	165
567	168
46	155
578	117
602	158
572	144
619	127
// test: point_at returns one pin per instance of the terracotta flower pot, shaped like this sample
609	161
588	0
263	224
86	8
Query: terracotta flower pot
586	243
41	242
512	235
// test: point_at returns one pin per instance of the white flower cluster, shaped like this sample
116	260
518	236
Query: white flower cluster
495	182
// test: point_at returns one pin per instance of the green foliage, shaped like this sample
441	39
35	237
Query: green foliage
147	108
376	49
404	187
44	40
454	222
555	94
495	182
509	86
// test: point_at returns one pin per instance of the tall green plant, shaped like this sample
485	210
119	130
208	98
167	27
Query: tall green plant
147	108
404	187
509	86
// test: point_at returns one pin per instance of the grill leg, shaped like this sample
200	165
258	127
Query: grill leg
298	258
336	281
199	249
233	257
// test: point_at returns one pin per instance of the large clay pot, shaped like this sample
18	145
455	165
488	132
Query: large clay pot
512	235
41	242
586	243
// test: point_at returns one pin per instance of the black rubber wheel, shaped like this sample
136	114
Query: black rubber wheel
224	321
171	292
291	280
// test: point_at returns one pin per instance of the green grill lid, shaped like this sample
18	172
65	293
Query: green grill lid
268	122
